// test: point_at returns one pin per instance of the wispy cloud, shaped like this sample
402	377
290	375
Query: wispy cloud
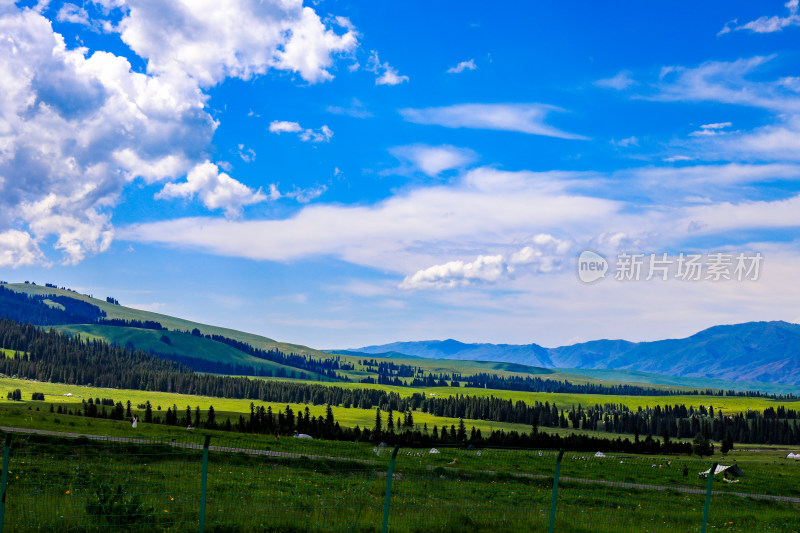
386	74
356	109
621	81
461	67
323	134
401	233
433	160
767	24
727	82
524	118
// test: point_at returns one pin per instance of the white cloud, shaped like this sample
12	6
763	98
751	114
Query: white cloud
486	268
248	155
626	142
304	196
323	134
767	24
727	82
742	215
524	118
622	80
355	109
712	129
283	126
74	129
386	74
433	160
405	232
72	13
210	41
17	248
215	189
461	67
545	253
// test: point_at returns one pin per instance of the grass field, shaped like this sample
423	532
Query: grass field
729	404
24	414
58	484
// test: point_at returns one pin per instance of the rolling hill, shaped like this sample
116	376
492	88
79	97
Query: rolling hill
169	322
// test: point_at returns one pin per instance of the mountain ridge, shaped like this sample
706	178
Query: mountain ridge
751	351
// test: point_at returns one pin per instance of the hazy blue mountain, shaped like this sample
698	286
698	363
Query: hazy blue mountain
754	351
526	354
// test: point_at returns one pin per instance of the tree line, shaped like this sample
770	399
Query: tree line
56	357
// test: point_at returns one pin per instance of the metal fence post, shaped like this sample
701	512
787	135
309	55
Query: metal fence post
708	497
555	492
203	485
4	479
388	497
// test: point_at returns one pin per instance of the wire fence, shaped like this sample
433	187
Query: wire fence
213	484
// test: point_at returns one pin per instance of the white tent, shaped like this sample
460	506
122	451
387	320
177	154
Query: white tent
599	454
795	456
733	470
434	450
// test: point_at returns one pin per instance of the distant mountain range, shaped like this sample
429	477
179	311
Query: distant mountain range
753	351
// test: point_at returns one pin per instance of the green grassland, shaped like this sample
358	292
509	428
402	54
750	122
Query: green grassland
61	484
169	322
183	344
16	414
636	377
729	404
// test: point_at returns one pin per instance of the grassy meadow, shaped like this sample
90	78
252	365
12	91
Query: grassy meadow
295	485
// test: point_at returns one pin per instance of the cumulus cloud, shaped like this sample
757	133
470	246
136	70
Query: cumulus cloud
209	41
486	268
524	118
323	134
18	248
544	254
386	74
433	160
75	128
767	24
622	80
215	189
461	67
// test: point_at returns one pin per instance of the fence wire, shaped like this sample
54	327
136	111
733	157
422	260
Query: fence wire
199	483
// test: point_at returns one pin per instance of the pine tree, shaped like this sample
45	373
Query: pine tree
377	429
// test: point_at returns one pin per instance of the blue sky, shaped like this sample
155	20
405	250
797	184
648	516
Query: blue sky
341	174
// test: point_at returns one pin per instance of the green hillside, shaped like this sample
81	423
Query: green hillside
169	322
648	378
182	344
